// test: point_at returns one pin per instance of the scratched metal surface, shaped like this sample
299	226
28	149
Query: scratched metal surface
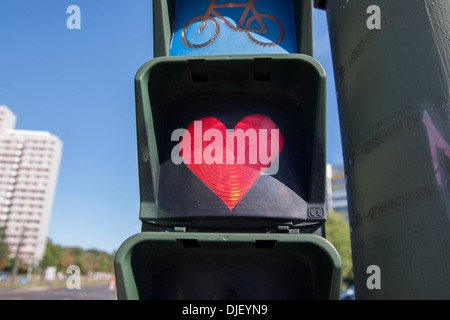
393	89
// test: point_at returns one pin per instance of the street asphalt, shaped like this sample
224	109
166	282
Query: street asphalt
86	292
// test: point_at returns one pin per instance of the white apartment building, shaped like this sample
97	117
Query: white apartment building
336	193
29	166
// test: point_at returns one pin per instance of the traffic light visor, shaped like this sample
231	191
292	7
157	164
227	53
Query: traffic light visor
228	138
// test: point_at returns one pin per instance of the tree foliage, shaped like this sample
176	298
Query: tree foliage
87	260
338	233
4	250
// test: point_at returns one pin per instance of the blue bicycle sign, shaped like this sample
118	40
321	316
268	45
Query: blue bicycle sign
243	25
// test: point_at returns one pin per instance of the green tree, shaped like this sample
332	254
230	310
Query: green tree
52	256
67	258
4	250
338	233
87	260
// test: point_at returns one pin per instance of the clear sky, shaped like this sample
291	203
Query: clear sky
79	85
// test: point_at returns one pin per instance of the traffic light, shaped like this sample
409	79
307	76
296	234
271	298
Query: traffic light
231	153
181	98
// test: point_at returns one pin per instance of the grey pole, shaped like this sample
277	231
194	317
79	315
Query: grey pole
393	86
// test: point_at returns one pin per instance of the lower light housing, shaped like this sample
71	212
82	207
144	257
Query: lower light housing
224	266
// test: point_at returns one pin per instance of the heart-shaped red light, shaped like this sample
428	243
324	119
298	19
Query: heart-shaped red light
230	161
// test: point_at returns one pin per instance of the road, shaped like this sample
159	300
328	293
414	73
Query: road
86	292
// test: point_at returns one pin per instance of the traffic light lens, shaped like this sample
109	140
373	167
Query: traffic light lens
230	160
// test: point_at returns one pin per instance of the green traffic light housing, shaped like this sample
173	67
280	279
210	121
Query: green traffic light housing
231	157
222	266
287	90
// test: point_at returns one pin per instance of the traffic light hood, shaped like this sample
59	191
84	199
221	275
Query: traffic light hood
172	93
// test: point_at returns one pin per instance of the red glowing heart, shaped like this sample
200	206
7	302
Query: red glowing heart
229	162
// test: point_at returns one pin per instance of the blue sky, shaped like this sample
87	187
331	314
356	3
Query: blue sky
79	85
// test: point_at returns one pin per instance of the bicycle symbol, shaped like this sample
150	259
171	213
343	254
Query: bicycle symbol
239	28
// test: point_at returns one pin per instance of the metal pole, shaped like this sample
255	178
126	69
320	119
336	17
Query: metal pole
393	86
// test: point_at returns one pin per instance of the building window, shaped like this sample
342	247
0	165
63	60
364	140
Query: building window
339	181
